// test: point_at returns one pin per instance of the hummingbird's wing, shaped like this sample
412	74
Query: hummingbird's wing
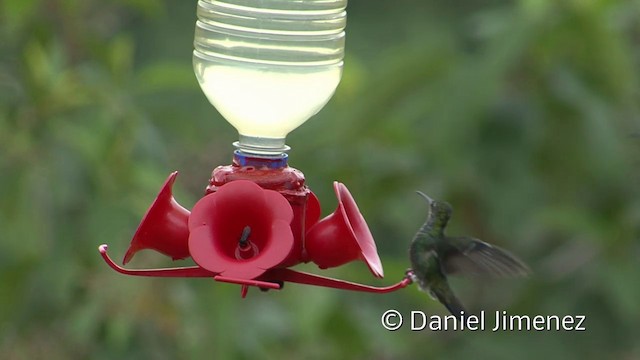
469	256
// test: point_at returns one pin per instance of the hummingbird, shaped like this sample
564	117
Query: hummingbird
434	256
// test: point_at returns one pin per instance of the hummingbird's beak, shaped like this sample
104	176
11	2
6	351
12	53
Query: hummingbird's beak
429	200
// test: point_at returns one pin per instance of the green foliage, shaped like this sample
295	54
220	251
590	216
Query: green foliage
523	115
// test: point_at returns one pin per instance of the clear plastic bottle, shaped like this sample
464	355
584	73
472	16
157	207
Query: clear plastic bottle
269	65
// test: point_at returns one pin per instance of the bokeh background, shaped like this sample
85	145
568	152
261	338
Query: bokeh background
522	114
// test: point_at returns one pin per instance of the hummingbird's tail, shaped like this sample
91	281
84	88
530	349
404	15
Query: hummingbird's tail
451	302
455	307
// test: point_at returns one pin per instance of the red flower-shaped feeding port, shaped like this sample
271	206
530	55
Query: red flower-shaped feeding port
164	227
241	230
343	236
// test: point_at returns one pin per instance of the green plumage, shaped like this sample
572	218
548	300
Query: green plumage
435	255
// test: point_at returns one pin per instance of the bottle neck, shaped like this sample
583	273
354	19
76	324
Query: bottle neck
241	158
261	146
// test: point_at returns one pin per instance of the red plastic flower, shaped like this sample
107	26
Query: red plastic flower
343	236
164	227
241	230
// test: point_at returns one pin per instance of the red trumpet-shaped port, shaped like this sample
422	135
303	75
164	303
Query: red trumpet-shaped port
164	227
275	174
241	230
343	236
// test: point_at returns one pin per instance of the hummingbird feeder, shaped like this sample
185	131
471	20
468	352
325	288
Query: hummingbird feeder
267	66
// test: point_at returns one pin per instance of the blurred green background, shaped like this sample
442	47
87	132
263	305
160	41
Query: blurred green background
522	114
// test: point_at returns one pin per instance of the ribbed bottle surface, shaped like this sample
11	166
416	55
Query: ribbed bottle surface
280	32
269	65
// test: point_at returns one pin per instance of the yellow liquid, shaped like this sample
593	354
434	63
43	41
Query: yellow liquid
268	103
